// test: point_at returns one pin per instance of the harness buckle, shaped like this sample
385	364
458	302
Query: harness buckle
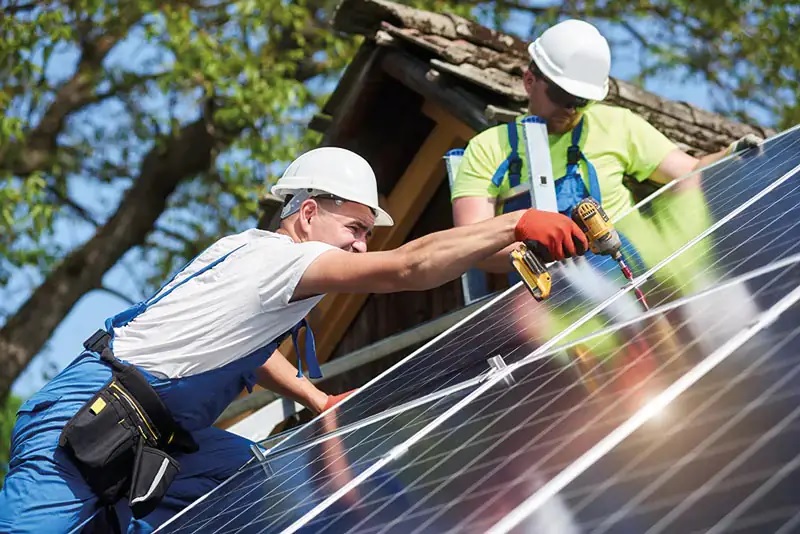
97	342
573	155
515	166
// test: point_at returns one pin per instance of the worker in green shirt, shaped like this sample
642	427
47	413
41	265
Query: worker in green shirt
592	146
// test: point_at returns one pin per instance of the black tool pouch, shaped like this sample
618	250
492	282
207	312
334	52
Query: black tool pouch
119	439
102	439
152	474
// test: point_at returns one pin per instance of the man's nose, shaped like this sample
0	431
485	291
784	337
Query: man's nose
359	246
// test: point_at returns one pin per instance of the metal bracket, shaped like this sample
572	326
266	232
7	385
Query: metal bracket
498	364
260	458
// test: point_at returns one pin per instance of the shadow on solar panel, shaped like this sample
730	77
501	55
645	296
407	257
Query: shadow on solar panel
598	416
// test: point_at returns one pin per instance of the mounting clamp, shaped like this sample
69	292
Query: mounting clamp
498	364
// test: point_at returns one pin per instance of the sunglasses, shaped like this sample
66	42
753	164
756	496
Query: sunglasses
557	95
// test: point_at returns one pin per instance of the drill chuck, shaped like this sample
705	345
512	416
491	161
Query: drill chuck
590	216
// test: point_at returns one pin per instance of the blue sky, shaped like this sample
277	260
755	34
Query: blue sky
91	310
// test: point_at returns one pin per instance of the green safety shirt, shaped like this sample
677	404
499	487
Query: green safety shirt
617	142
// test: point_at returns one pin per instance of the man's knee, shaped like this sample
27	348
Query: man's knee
220	455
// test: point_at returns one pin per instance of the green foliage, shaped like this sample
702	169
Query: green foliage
744	49
119	79
8	415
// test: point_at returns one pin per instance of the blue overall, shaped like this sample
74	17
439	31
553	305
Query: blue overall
570	188
44	492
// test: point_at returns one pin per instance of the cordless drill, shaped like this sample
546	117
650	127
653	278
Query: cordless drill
603	238
590	217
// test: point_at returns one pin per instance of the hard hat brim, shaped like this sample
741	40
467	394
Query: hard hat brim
382	218
581	89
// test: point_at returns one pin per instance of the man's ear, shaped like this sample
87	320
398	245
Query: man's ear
527	80
308	210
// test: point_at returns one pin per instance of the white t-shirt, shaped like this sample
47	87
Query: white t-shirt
225	313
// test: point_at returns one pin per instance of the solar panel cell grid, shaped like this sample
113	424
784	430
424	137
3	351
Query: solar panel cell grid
283	488
725	454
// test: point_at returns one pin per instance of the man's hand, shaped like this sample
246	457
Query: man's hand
333	400
557	233
745	143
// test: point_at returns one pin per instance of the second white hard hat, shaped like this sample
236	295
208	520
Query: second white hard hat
335	171
575	56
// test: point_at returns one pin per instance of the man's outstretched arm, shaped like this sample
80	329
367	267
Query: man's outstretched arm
437	258
678	163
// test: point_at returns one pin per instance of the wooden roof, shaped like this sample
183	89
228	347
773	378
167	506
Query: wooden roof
486	68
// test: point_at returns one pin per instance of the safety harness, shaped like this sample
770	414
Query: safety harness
570	188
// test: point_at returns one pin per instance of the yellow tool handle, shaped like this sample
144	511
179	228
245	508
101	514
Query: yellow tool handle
532	271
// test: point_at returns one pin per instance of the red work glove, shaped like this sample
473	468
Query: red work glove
333	400
556	233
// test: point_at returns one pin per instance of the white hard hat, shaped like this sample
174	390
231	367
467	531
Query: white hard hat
335	171
575	57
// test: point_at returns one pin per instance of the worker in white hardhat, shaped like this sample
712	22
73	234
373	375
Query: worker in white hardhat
129	421
593	146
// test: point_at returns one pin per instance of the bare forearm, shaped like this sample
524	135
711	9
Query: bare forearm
440	257
280	376
499	261
708	159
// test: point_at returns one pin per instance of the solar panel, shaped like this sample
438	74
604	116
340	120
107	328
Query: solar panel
462	352
443	443
472	470
511	439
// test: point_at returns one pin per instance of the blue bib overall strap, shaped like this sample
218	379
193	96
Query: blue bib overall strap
310	352
128	315
570	188
513	166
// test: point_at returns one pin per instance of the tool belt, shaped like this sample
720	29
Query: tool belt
122	438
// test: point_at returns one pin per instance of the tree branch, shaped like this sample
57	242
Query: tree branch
117	294
19	8
124	86
79	210
189	152
189	245
635	33
35	152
